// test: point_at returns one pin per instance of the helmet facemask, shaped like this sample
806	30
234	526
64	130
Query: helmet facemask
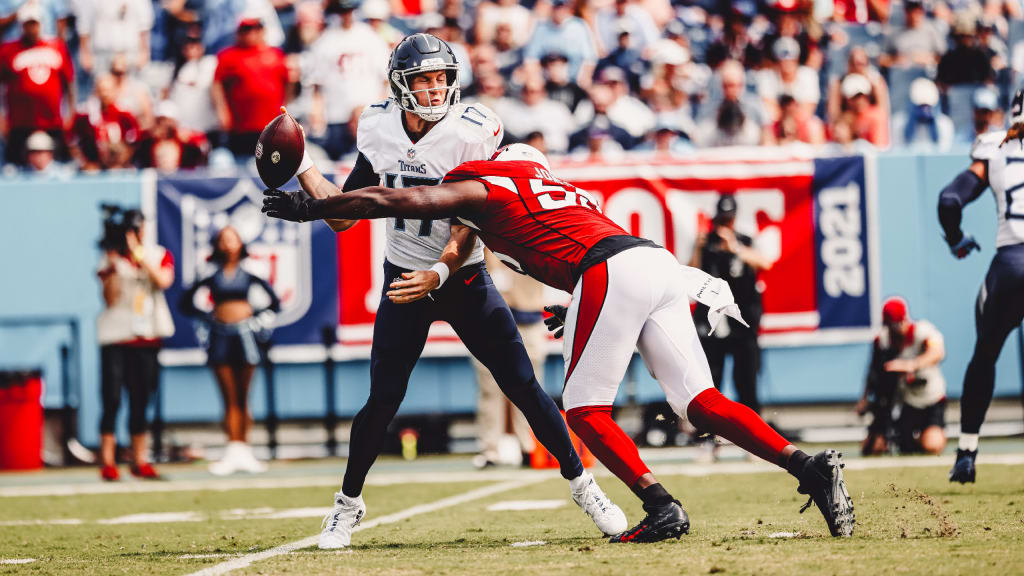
406	96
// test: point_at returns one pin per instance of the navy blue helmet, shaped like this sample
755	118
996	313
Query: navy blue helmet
415	54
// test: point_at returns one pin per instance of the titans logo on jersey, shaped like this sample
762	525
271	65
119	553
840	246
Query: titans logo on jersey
1006	178
466	133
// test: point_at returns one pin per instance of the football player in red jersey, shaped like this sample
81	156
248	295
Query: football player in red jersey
627	293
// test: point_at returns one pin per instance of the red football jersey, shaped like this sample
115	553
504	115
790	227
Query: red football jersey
254	81
540	225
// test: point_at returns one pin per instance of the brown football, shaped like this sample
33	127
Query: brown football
279	151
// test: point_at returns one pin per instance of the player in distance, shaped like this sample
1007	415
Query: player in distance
627	293
414	139
997	162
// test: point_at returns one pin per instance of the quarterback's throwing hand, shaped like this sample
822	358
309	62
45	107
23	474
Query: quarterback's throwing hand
294	206
556	322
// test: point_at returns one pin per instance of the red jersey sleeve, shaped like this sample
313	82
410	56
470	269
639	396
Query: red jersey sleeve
224	59
168	261
67	69
466	171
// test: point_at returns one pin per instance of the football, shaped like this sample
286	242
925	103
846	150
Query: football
279	151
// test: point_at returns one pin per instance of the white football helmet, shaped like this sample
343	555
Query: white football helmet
514	152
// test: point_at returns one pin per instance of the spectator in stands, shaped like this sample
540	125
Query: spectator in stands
447	29
867	120
133	95
735	42
309	24
507	55
349	73
538	113
795	126
919	43
786	19
249	87
966	62
993	45
858	63
720	125
109	28
495	414
625	110
786	76
625	16
190	88
862	11
220	19
988	115
168	147
560	84
923	127
377	13
492	14
904	372
40	149
38	77
492	95
102	135
601	135
625	57
666	140
130	330
240	316
565	33
53	18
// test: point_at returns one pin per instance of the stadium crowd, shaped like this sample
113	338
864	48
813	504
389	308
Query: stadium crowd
175	84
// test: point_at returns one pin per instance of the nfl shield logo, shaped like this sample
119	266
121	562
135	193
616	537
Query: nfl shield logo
411	153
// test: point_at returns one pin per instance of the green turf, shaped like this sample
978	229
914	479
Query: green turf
910	521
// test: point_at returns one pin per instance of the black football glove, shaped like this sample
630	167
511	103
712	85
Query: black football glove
556	322
965	246
294	206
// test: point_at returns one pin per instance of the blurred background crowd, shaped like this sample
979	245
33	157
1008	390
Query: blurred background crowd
175	84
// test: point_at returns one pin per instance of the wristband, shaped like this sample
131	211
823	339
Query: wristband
306	163
442	272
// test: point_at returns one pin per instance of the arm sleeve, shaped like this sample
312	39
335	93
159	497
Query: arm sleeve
275	302
361	176
963	190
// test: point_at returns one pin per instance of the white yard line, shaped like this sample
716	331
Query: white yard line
249	559
17	560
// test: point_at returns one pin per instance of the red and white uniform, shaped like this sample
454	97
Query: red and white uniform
627	291
37	77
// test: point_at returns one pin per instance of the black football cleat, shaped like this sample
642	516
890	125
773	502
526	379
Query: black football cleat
668	521
822	480
963	471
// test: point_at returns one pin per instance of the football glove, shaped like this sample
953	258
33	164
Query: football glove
965	246
293	206
556	322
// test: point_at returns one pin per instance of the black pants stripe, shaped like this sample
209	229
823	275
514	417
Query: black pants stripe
474	308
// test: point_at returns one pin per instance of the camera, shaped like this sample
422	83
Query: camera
117	221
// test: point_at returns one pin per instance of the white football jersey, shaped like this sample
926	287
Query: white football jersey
1006	178
350	67
467	133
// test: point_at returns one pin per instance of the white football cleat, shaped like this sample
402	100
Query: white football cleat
247	461
588	495
337	527
230	461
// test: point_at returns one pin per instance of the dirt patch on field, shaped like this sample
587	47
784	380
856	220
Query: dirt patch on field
947	526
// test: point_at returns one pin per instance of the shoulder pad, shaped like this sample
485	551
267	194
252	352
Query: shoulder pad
476	123
987	145
368	133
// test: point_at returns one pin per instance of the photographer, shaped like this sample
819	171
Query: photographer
233	351
731	256
904	378
130	330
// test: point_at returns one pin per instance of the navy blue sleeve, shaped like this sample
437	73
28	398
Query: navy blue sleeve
963	190
275	302
187	302
361	176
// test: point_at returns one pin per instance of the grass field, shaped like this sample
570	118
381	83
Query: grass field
910	520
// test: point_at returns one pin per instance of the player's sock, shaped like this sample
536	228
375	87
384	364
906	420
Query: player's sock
796	463
594	425
653	496
968	442
711	412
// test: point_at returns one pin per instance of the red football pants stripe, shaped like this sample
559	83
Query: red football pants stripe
594	425
592	295
712	412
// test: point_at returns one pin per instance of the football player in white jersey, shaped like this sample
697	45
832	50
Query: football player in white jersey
414	139
997	162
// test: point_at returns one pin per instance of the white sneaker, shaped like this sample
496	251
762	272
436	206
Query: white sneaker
588	495
229	462
336	530
247	461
